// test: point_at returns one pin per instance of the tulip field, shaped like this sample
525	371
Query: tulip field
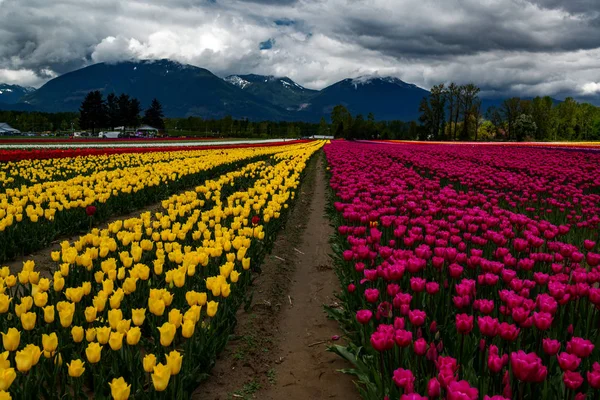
468	271
140	306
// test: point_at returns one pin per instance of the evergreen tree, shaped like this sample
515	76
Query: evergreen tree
154	115
92	113
112	111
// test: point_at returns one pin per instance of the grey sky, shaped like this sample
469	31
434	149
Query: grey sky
525	47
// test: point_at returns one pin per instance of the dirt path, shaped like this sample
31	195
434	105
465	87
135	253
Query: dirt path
279	351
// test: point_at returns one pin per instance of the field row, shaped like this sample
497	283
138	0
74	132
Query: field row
141	308
467	273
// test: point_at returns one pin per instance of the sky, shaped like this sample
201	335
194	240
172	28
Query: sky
507	47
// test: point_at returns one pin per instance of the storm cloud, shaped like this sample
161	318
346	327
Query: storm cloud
520	47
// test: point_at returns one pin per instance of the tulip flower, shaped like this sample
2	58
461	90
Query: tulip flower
11	339
119	389
149	362
7	377
93	352
76	368
160	377
174	360
167	334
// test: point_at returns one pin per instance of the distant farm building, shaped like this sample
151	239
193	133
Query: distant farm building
6	130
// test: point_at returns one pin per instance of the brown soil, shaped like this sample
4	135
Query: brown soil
279	347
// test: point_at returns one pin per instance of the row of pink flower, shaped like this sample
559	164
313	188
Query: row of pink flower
458	282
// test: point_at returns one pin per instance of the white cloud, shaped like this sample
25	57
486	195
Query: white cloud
591	88
524	47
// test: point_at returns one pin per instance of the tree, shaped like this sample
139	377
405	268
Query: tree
92	114
341	121
524	127
477	117
433	112
154	115
133	113
511	109
323	127
495	117
470	94
452	94
112	111
544	117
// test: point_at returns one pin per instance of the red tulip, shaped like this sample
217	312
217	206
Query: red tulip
90	211
464	323
572	379
416	317
488	325
364	316
433	388
461	390
403	338
527	367
255	220
551	346
580	347
568	362
542	320
404	378
420	347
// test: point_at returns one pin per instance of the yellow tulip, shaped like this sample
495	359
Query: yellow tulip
116	341
245	262
123	326
28	320
167	334
24	360
40	299
76	368
202	297
66	311
90	334
149	362
93	352
156	306
234	276
55	256
114	317
11	339
119	389
174	360
160	377
133	336
99	302
187	329
50	342
35	352
4	362
4	303
90	314
103	334
175	317
211	308
138	315
77	334
59	284
49	314
5	395
7	376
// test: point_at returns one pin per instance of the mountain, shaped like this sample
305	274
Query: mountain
281	91
11	94
183	90
387	98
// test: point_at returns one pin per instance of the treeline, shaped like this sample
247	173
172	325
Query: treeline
95	113
343	125
27	121
455	112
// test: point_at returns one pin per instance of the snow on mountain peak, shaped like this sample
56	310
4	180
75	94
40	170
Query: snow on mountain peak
237	81
369	79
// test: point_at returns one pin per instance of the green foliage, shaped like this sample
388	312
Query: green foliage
154	115
92	113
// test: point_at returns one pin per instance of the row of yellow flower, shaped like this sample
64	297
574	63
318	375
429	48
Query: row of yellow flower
32	215
149	301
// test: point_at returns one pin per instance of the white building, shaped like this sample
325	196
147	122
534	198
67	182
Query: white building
6	130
